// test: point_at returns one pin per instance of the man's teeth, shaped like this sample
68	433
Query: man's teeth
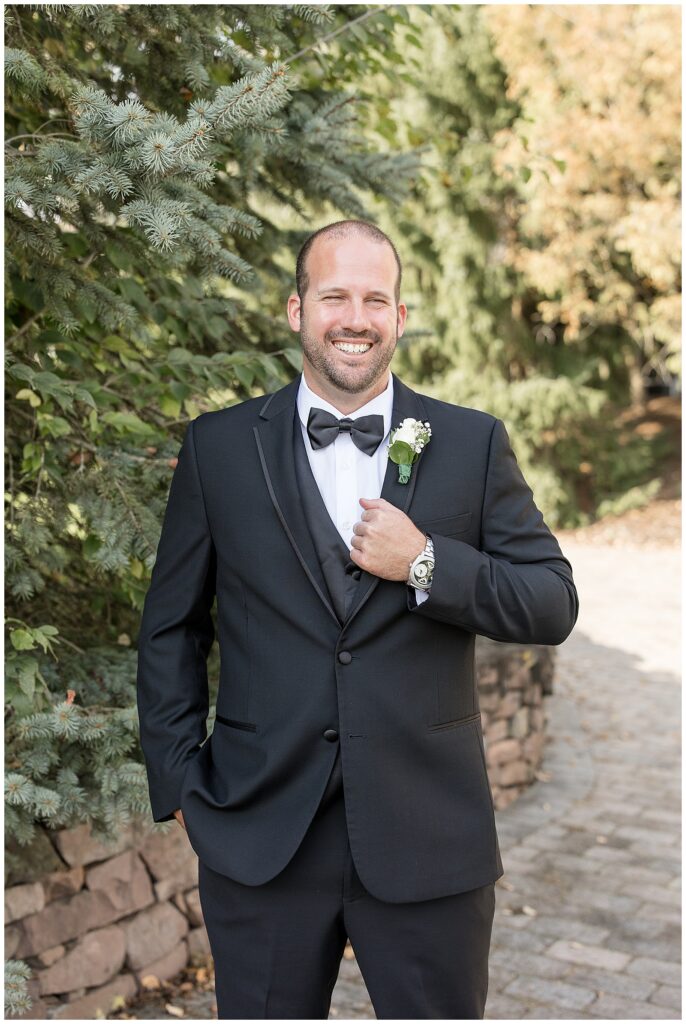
348	347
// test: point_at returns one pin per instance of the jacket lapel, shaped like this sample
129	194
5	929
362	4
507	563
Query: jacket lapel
274	438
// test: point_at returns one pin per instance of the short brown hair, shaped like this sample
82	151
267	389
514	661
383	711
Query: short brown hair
342	229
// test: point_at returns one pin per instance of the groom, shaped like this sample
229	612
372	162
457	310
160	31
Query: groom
343	790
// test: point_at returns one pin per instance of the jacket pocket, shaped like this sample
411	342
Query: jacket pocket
446	525
454	722
235	724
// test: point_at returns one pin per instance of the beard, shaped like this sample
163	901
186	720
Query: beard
323	357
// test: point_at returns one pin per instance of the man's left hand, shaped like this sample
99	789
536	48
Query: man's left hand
386	541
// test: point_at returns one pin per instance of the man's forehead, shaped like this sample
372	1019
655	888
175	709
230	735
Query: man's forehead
353	244
378	259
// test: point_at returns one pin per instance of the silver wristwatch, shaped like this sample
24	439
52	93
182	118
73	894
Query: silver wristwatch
422	568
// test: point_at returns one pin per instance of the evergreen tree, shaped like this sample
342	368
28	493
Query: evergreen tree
147	148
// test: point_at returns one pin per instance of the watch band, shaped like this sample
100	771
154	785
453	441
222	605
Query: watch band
426	555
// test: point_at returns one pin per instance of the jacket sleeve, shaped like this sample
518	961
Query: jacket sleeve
175	638
519	587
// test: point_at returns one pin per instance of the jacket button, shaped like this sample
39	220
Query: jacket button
331	735
345	657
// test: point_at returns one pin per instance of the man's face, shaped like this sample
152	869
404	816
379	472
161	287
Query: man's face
350	299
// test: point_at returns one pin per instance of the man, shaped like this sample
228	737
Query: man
343	790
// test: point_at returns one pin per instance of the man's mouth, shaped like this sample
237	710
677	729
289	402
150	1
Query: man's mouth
352	347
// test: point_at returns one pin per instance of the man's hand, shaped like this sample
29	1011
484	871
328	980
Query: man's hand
179	817
386	541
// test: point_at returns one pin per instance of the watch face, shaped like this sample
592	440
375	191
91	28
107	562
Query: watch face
423	572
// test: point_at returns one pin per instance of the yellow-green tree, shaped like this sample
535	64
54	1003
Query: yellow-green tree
481	331
597	232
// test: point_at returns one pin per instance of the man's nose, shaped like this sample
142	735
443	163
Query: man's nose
355	317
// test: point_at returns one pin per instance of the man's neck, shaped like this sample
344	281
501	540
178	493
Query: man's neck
343	400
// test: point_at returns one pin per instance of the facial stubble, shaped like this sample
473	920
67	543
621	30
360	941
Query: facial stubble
325	360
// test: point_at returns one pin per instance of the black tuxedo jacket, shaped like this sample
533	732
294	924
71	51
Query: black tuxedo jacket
393	686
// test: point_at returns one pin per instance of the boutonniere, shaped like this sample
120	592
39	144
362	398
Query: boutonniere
405	445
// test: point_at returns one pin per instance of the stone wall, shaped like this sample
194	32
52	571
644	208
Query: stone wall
513	680
104	918
93	921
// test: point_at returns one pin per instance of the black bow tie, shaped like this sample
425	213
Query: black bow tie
323	427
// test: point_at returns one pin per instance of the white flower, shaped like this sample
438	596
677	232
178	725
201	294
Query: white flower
412	434
405	432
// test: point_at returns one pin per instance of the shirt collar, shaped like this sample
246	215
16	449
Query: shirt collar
382	404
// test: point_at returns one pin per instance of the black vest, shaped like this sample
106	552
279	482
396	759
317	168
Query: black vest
340	572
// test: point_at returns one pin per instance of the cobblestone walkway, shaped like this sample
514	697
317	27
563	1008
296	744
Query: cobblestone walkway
588	918
588	911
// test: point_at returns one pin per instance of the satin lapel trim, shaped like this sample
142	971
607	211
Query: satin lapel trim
274	439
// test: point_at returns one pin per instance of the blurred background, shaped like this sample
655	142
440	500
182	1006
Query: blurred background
163	164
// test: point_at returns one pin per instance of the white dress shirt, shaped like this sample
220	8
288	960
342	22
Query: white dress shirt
343	473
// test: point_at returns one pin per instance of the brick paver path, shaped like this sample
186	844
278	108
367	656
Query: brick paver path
588	919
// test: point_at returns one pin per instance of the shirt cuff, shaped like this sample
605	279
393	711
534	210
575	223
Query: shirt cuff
415	596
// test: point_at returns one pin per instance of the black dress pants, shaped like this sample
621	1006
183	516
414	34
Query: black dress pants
277	947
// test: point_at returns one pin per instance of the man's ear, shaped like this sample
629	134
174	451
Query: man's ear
293	310
402	317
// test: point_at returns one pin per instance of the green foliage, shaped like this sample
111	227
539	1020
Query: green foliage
482	341
636	497
578	464
17	999
146	150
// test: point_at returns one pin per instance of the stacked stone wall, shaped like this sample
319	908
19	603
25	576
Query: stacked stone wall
512	682
105	918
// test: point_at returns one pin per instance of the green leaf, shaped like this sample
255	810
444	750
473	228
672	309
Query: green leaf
180	357
84	396
128	423
245	376
27	677
401	453
179	390
170	405
53	426
295	357
22	640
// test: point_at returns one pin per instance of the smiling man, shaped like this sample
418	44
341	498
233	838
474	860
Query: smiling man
343	790
349	316
348	312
